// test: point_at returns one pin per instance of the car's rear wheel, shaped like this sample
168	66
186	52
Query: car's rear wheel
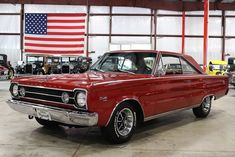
204	109
121	125
46	123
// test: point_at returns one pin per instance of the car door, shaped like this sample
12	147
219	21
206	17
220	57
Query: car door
196	80
172	87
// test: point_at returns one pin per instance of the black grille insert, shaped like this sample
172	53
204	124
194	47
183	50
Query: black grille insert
46	94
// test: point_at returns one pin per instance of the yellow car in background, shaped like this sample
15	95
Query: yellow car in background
217	67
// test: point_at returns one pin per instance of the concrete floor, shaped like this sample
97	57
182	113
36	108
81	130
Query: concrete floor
177	135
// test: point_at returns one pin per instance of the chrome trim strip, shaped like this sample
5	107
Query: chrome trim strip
64	116
117	81
169	112
46	94
152	78
126	99
42	87
47	101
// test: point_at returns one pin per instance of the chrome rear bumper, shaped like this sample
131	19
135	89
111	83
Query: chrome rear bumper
55	114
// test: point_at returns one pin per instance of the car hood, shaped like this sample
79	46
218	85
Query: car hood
71	81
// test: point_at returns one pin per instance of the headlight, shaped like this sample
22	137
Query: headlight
22	91
65	97
34	66
81	100
71	67
15	90
58	66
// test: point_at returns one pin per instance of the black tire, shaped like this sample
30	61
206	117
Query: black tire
204	109
46	123
112	132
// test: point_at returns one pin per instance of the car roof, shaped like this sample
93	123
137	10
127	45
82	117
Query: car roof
145	51
217	62
187	57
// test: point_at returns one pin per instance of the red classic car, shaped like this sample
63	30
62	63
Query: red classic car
121	90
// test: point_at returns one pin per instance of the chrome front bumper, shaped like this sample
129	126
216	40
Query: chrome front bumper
55	114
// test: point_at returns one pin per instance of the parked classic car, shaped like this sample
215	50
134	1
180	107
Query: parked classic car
121	90
217	67
3	73
74	65
34	65
6	66
231	70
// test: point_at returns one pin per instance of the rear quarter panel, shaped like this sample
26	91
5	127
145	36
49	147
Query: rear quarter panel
216	85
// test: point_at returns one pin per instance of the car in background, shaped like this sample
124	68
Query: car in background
46	65
3	73
120	91
6	65
217	67
231	71
74	65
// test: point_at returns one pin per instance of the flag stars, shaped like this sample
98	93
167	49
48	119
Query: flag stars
36	24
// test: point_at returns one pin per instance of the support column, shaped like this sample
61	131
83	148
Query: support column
21	31
183	33
223	34
155	29
110	23
205	41
87	30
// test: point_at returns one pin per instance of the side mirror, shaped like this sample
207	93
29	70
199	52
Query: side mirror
211	67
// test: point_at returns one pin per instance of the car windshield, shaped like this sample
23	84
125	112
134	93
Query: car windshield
34	59
219	67
133	62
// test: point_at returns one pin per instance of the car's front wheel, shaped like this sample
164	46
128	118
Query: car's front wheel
121	125
204	109
46	123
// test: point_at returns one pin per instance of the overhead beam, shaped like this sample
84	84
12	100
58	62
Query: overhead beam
152	4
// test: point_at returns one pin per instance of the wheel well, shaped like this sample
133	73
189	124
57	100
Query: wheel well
139	110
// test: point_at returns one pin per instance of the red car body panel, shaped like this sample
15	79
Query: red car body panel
155	94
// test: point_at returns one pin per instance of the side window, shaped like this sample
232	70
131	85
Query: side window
171	64
149	61
127	65
187	68
160	68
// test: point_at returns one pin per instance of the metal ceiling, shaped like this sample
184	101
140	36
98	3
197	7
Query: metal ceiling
175	5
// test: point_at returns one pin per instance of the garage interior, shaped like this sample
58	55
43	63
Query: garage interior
164	25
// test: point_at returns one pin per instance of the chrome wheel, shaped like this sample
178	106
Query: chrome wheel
124	122
206	104
204	109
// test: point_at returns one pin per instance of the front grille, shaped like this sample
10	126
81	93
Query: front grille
45	94
28	69
65	69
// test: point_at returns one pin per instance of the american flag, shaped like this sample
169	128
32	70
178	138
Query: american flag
57	33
